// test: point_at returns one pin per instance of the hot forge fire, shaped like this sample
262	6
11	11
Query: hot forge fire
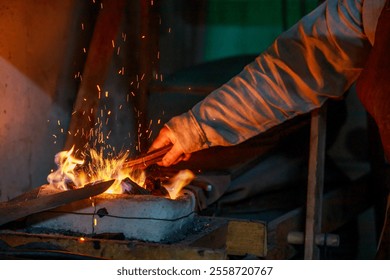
92	166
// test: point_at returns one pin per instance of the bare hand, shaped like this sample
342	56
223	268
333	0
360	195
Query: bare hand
173	156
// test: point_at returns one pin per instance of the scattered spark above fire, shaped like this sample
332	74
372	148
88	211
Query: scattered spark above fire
98	160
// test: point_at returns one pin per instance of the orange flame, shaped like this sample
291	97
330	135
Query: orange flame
178	182
97	169
72	170
66	170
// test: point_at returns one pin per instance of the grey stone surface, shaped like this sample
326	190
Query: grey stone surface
141	217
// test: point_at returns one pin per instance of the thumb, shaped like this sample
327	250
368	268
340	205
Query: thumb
162	140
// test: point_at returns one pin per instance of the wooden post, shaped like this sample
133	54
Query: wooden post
315	182
98	60
148	64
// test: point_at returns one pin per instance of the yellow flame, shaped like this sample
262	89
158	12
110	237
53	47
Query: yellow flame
79	172
66	169
178	182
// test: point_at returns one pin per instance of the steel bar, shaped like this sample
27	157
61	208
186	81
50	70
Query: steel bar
147	159
14	210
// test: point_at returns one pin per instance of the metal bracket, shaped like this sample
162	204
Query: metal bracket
322	239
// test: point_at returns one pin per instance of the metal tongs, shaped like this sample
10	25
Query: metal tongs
147	159
16	209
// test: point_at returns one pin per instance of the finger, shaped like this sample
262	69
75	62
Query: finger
183	157
173	156
170	159
186	157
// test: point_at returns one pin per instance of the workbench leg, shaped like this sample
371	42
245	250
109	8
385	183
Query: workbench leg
315	182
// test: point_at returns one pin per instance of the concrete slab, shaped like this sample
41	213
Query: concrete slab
142	217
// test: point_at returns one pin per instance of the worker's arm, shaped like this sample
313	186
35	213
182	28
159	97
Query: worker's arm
318	58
